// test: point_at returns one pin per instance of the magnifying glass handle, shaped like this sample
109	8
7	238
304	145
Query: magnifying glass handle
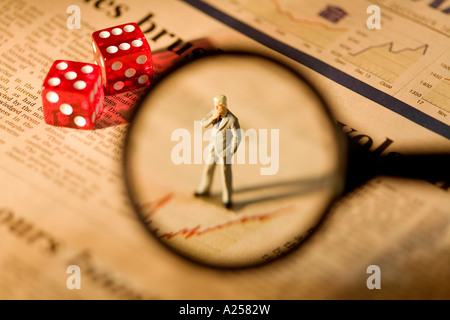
433	167
364	165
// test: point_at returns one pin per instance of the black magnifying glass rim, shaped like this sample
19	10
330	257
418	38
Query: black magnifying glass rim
342	156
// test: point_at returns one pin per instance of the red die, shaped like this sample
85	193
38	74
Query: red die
125	57
72	94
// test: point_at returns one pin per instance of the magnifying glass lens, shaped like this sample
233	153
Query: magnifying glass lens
283	176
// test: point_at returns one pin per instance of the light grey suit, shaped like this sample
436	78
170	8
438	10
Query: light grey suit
225	138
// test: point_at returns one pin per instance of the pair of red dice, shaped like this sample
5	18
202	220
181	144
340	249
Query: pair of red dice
72	92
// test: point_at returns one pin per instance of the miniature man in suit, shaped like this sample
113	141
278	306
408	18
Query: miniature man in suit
225	138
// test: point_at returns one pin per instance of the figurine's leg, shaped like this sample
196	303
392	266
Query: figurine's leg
207	176
227	185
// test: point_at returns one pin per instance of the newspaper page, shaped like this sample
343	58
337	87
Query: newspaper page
398	48
64	203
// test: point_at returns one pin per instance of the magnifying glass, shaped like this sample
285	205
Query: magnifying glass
272	189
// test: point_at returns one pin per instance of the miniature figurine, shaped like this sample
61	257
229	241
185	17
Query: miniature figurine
225	138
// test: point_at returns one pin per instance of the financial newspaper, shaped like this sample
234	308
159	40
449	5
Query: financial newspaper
64	200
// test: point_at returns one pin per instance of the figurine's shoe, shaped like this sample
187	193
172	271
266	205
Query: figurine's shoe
228	204
201	194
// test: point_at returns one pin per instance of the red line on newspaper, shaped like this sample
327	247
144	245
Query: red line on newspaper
153	206
195	231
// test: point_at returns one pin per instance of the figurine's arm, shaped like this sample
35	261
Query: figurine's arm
206	121
235	130
231	138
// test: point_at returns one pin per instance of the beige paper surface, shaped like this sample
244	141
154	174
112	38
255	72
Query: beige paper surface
64	202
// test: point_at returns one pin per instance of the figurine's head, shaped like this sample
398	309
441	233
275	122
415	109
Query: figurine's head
220	103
